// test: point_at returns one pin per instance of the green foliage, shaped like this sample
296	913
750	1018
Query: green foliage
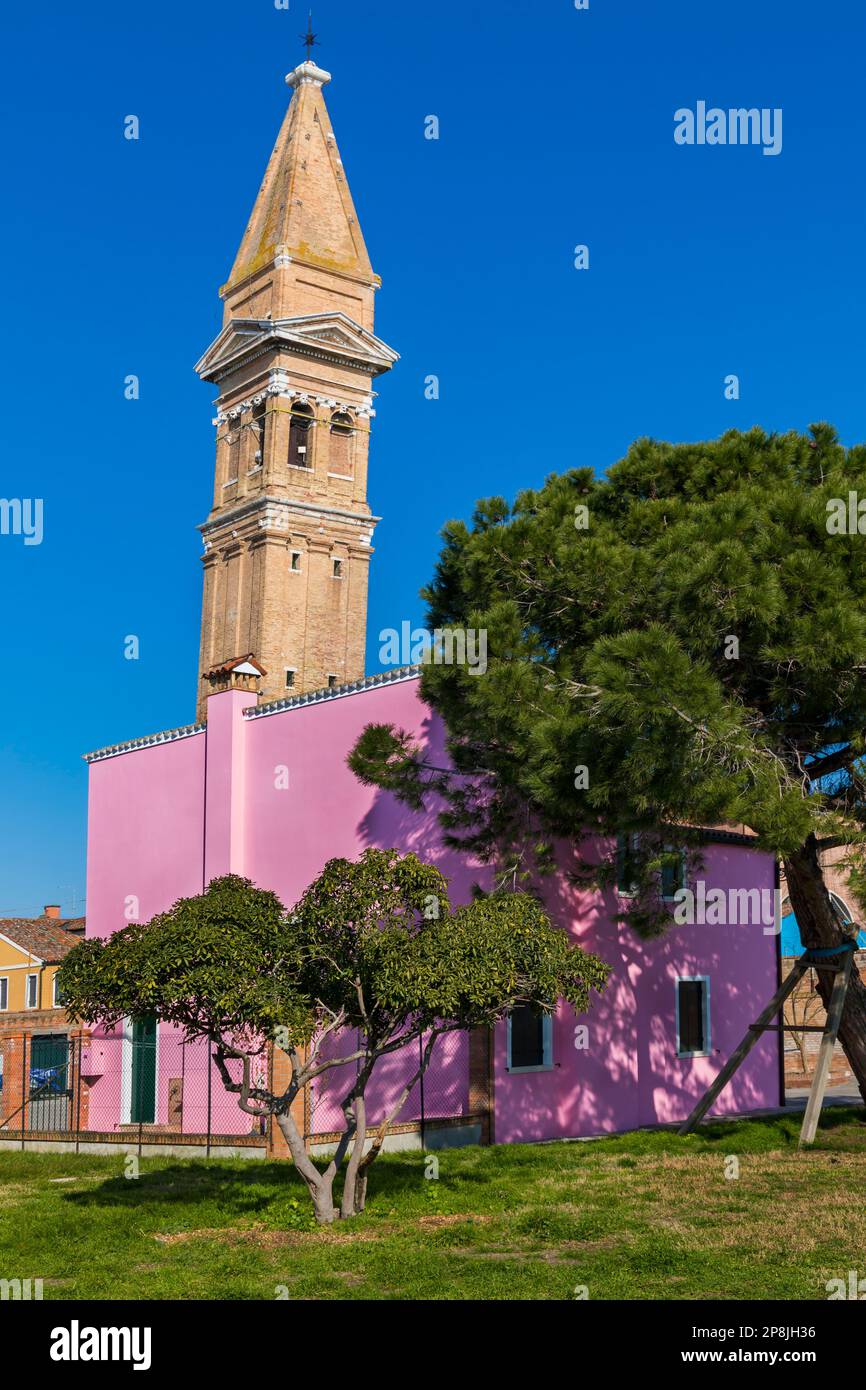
224	964
373	943
609	648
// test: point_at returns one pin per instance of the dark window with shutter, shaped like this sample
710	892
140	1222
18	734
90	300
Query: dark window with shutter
692	1015
626	863
673	874
259	418
300	436
527	1038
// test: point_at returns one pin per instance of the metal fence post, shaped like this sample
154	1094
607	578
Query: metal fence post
78	1096
23	1087
209	1097
421	1087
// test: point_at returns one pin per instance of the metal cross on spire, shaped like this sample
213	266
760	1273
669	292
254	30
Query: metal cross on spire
310	39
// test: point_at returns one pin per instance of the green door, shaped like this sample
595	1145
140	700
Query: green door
143	1108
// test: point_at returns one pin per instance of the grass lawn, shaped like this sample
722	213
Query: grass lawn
646	1216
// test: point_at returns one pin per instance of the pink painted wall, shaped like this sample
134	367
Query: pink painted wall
149	836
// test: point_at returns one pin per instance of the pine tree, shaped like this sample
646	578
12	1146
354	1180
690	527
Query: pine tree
679	644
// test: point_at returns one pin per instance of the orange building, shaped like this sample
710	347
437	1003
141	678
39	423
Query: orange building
36	1035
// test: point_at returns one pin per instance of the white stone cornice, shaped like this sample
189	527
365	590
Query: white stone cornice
279	385
308	75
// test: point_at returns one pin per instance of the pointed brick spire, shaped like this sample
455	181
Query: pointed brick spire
304	216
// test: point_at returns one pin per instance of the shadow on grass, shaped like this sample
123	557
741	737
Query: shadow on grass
237	1187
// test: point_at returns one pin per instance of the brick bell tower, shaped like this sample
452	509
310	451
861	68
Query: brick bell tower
288	540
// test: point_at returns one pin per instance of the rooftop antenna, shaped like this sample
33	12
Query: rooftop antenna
310	39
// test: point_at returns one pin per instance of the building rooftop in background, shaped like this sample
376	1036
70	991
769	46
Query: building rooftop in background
47	938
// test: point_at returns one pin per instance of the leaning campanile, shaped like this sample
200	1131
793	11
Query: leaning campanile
287	544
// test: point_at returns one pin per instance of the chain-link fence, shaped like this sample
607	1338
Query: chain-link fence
441	1093
148	1085
138	1084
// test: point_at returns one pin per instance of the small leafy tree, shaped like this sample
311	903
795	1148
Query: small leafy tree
372	958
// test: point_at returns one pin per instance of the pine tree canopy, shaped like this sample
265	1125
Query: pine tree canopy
679	644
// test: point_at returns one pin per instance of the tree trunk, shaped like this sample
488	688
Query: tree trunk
319	1185
819	927
349	1205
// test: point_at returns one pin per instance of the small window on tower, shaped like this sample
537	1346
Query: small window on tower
332	682
296	561
290	678
259	421
301	436
340	459
338	569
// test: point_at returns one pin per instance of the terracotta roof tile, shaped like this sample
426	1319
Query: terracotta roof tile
49	939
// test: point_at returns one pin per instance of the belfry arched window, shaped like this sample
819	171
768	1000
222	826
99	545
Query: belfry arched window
342	432
301	436
259	422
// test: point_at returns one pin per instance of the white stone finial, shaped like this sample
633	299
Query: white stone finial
308	75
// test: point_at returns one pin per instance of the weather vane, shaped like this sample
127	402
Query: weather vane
310	39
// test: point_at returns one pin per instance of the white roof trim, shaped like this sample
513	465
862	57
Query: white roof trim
339	692
16	945
149	741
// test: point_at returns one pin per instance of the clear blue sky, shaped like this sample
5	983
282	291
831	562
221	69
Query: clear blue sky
556	129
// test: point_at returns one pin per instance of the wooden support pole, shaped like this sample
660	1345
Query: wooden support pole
740	1053
825	1055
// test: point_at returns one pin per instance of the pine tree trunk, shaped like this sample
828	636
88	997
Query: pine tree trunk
819	927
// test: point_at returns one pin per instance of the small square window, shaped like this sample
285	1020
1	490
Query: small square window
332	682
530	1040
296	561
290	679
338	569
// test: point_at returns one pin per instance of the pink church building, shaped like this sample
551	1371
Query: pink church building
260	786
263	790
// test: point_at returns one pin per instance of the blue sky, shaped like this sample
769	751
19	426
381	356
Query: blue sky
556	129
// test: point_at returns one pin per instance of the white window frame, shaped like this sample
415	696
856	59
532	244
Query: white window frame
4	1003
54	1000
708	1037
34	976
300	555
546	1043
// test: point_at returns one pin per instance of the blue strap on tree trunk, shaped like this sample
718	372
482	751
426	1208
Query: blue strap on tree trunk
821	952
